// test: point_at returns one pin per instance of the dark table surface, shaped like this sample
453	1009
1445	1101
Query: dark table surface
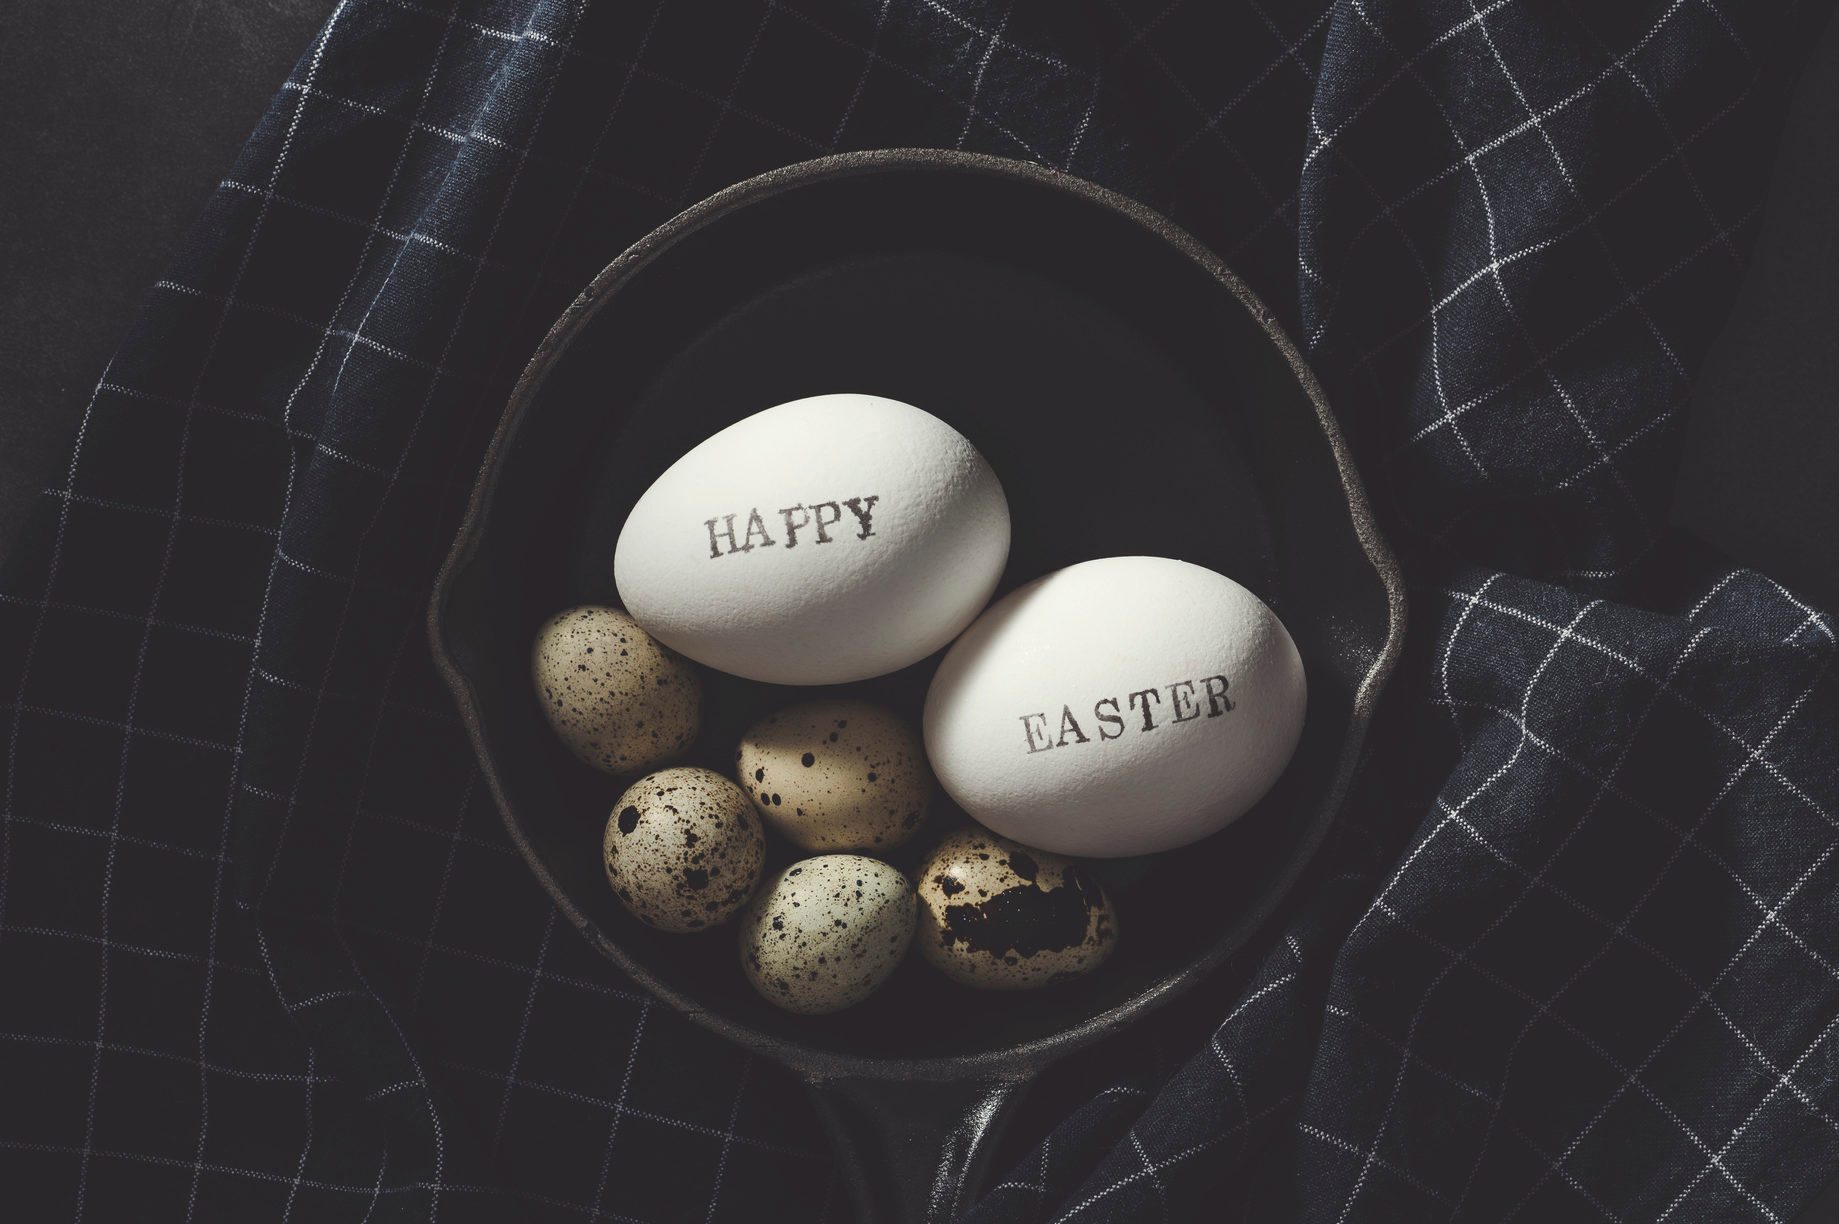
117	119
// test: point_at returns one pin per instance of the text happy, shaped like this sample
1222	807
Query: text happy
1147	709
817	519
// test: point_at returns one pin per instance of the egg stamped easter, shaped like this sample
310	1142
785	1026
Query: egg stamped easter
1077	340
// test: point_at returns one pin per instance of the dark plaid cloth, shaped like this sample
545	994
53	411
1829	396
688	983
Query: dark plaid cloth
266	953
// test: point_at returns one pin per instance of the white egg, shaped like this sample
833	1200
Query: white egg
825	540
1116	707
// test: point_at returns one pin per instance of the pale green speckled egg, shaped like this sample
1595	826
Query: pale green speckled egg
619	699
826	932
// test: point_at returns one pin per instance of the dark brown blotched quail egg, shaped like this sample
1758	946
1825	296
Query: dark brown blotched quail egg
683	849
1001	916
837	775
621	700
826	931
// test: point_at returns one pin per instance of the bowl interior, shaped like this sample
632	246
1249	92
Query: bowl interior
1129	402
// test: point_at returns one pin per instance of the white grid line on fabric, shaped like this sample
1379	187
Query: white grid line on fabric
392	704
392	474
1607	651
996	39
1449	966
268	601
373	1192
573	52
208	520
1085	120
240	415
278	312
728	1138
1435	1072
1483	397
306	1147
1555	1167
1367	1159
454	837
1676	153
370	930
117	1047
523	1034
129	730
1541	362
726	105
983	66
131	839
451	136
618	1104
409	634
1289	49
136	680
1570	180
870	55
421	412
1325	139
117	945
875	57
1703	994
61	605
417	236
1410	245
1631	1077
1149	1169
31	653
1168	1162
1679	831
1685	165
1278	209
1737	1132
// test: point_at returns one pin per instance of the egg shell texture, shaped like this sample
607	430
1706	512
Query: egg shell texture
1121	706
616	697
825	932
1000	916
822	541
683	849
837	775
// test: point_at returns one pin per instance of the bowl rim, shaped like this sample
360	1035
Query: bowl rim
1022	1060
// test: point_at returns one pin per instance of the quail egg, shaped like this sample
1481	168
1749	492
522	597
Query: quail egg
825	932
837	775
1001	916
683	849
619	699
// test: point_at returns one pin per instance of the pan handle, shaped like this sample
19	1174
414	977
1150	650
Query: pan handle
912	1151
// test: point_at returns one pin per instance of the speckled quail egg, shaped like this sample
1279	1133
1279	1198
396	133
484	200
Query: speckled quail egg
622	701
683	849
1001	916
837	775
825	932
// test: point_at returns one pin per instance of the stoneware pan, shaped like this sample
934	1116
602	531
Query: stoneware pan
1134	397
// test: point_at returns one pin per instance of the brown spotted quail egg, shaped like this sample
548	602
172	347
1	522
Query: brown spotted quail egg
683	849
619	699
825	932
837	775
1001	916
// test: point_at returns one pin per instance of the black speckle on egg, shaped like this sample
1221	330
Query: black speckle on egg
628	819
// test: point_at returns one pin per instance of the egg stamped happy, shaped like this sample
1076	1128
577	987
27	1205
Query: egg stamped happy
822	541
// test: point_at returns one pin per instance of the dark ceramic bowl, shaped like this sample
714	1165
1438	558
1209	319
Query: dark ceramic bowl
1134	398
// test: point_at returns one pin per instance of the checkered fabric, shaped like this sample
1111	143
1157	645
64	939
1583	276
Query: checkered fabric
268	955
